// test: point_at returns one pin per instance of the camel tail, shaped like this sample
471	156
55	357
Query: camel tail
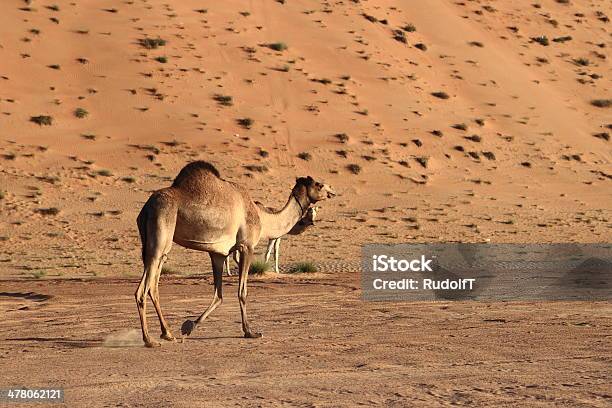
141	220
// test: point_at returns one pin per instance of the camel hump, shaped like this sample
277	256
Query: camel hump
195	169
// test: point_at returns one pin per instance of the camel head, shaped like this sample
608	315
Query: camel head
313	190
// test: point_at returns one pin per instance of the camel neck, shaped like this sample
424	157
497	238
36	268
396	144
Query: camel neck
275	225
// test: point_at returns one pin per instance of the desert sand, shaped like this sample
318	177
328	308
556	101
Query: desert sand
435	121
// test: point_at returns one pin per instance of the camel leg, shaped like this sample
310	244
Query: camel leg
226	266
269	250
276	254
218	261
156	223
152	265
154	293
246	256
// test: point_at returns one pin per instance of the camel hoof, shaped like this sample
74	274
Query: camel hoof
187	327
252	335
168	337
152	344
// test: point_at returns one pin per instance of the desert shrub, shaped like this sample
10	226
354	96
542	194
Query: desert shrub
224	100
258	267
48	211
542	40
152	43
440	94
80	113
304	267
305	156
342	137
409	28
602	103
354	168
42	120
104	173
245	122
278	46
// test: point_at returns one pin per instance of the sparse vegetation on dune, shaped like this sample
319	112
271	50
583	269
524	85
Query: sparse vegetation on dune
80	113
42	120
245	122
602	103
278	46
440	95
152	43
354	168
48	211
224	100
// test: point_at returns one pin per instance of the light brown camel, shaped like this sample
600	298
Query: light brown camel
202	211
274	243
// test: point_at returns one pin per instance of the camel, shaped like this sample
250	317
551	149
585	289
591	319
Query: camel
204	212
300	227
274	243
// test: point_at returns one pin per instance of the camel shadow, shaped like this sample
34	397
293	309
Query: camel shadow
35	297
60	341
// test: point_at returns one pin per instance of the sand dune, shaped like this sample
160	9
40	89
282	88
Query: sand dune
510	155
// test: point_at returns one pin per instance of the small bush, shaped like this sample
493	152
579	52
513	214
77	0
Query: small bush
48	211
584	62
422	160
278	46
152	43
104	173
224	100
399	35
258	267
42	120
460	126
129	179
257	168
563	39
80	113
542	40
324	81
409	28
602	103
354	168
162	59
440	94
38	274
245	122
304	267
305	156
342	137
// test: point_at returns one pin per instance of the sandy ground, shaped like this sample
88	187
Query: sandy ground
322	347
435	121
